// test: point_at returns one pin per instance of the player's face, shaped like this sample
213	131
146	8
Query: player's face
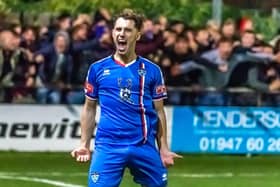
125	35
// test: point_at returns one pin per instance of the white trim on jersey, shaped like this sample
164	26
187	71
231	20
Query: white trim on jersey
91	98
130	63
142	108
161	98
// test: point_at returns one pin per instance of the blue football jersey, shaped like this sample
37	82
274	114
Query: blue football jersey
125	94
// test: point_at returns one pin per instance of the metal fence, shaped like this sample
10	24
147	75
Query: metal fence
192	96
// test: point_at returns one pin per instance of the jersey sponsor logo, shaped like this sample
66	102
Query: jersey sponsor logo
89	87
106	72
160	89
95	177
164	177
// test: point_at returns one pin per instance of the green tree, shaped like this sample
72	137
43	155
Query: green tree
191	12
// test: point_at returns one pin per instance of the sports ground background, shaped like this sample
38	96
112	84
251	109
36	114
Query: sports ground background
58	169
232	157
36	142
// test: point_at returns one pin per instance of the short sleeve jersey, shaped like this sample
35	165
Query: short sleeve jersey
125	94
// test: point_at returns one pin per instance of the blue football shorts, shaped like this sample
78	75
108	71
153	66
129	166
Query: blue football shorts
109	162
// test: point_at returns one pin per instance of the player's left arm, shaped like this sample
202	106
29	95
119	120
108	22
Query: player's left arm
167	156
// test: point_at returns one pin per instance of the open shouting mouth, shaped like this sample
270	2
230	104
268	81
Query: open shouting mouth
122	45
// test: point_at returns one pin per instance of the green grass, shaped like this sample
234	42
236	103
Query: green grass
191	171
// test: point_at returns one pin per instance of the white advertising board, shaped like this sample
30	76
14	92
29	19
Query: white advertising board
44	127
39	127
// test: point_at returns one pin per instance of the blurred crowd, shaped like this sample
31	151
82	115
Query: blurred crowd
48	63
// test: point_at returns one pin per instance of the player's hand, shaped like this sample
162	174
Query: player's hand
81	154
168	157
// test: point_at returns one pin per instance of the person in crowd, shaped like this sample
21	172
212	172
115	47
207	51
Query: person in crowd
180	53
213	65
83	55
163	41
100	23
62	22
29	41
250	68
213	29
55	68
228	29
203	40
14	66
177	26
151	40
244	24
265	78
247	42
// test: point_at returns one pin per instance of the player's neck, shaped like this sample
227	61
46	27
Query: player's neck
125	59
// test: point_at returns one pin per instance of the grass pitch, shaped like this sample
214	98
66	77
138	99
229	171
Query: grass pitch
59	169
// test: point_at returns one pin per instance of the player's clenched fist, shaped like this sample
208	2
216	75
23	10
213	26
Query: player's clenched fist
81	154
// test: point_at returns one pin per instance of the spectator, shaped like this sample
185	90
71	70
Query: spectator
44	37
211	76
163	22
55	69
13	65
82	52
213	29
151	39
264	78
202	38
177	26
180	53
190	35
247	42
29	41
100	23
82	19
228	30
62	23
188	57
245	24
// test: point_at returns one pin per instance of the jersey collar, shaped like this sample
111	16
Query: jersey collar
125	65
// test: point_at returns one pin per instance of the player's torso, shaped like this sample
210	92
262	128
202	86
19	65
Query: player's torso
125	98
124	85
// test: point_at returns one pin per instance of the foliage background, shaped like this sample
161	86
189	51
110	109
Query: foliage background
192	12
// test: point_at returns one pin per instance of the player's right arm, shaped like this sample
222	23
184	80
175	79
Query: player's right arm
82	153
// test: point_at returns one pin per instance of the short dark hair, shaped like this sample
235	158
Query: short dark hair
249	32
225	40
229	21
131	15
63	15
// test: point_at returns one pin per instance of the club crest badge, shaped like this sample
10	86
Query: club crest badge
125	89
95	177
142	72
